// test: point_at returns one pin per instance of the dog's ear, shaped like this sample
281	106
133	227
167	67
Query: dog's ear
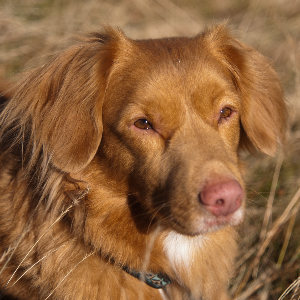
264	114
60	104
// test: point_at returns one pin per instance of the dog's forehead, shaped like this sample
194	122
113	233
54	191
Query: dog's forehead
181	72
167	79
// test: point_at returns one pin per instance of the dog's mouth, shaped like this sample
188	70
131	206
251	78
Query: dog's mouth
202	224
232	219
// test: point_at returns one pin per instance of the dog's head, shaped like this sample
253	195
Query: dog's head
159	121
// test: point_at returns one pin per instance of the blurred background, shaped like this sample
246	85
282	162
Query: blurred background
268	266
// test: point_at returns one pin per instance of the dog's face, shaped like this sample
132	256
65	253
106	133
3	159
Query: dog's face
178	124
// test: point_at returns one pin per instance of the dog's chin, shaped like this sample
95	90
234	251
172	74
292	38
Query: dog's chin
206	224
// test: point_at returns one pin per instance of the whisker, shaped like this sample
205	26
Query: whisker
153	216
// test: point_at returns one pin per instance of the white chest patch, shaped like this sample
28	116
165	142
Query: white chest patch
179	248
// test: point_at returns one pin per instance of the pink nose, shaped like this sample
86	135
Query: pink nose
222	198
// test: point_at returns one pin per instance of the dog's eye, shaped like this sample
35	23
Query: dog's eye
225	112
142	124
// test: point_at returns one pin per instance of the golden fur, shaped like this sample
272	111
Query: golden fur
87	189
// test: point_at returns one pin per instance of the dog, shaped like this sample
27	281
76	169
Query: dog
121	176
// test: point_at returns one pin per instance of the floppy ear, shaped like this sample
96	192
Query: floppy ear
264	114
60	104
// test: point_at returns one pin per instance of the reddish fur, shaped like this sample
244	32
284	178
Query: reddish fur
69	144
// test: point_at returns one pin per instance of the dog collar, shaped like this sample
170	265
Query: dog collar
156	281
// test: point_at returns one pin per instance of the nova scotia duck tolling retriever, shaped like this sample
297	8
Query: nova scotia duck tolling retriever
120	170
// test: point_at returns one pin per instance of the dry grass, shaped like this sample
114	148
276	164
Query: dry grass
269	264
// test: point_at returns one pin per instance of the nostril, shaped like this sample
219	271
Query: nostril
220	202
